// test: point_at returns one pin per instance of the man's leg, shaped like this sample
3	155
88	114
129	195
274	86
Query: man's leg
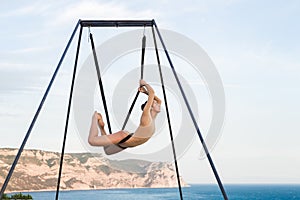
94	139
94	128
100	123
103	139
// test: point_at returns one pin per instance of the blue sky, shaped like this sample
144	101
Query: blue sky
254	45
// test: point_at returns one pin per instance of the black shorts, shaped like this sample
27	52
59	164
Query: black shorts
124	140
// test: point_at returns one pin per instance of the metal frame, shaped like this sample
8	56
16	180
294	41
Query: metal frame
116	23
108	23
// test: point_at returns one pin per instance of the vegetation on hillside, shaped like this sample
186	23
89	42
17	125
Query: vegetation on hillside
17	196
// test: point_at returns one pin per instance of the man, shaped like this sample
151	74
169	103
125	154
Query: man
116	142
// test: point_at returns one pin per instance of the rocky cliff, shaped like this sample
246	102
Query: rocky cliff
38	170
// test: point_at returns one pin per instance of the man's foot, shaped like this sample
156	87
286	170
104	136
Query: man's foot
98	116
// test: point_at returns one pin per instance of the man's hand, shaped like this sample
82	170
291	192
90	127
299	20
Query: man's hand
142	82
143	90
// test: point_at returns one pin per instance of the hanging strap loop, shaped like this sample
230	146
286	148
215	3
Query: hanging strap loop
100	83
143	56
142	75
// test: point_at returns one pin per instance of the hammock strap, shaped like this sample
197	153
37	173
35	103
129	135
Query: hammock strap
100	83
142	75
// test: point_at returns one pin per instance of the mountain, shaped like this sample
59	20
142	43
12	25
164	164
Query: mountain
38	170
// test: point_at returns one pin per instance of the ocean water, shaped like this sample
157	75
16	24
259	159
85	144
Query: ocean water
209	192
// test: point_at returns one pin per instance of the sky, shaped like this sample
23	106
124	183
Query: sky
253	44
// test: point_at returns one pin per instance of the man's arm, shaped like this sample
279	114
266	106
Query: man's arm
143	90
158	100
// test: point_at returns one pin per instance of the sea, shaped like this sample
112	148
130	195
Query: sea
234	192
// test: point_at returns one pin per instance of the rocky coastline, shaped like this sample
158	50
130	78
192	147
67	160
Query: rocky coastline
37	170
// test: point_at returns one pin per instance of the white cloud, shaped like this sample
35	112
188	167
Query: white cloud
96	10
35	8
13	65
29	50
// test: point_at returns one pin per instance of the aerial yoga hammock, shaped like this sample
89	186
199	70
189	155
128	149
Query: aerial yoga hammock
118	141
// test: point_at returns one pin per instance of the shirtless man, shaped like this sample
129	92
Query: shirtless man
116	142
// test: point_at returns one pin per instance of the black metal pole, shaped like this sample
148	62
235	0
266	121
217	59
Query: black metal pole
116	23
37	113
68	114
168	115
192	116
